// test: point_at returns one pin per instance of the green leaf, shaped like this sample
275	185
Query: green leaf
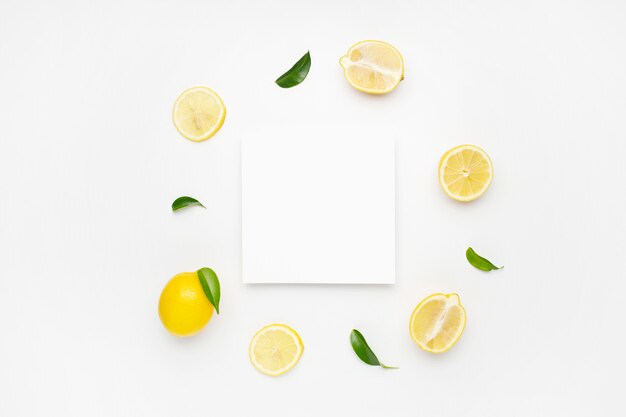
479	262
211	286
363	351
297	73
182	202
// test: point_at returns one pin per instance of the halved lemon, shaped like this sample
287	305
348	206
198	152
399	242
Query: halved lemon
198	113
275	349
373	67
465	172
437	322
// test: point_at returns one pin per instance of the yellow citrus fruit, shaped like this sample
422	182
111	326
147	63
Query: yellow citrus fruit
198	113
275	349
373	67
184	309
437	322
465	172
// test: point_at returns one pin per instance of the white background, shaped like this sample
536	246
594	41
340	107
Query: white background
90	163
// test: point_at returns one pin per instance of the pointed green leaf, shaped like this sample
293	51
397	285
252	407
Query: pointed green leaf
363	351
297	73
479	262
211	286
182	202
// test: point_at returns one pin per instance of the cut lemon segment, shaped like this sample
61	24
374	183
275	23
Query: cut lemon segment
465	172
275	349
437	322
373	67
198	113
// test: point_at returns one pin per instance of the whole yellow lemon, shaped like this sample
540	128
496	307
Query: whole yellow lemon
184	309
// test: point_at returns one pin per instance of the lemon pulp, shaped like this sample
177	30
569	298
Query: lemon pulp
465	172
437	322
199	113
275	349
373	67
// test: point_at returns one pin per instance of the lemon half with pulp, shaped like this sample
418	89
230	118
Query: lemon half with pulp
437	322
275	349
373	67
465	172
199	113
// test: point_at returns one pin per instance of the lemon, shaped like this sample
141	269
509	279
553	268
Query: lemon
199	113
373	67
275	349
184	309
437	322
465	172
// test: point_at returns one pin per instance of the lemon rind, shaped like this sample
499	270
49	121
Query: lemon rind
163	307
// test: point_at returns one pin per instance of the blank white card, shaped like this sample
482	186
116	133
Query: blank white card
318	207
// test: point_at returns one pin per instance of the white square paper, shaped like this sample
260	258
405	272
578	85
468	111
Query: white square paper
318	207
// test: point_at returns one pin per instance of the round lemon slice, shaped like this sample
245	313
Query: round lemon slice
275	349
373	67
198	113
465	172
437	322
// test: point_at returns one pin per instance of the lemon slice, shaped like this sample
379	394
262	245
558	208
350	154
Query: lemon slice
275	349
465	172
373	67
198	113
437	322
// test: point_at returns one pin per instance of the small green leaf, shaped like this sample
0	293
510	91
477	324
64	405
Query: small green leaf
182	202
363	351
211	286
479	262
297	73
